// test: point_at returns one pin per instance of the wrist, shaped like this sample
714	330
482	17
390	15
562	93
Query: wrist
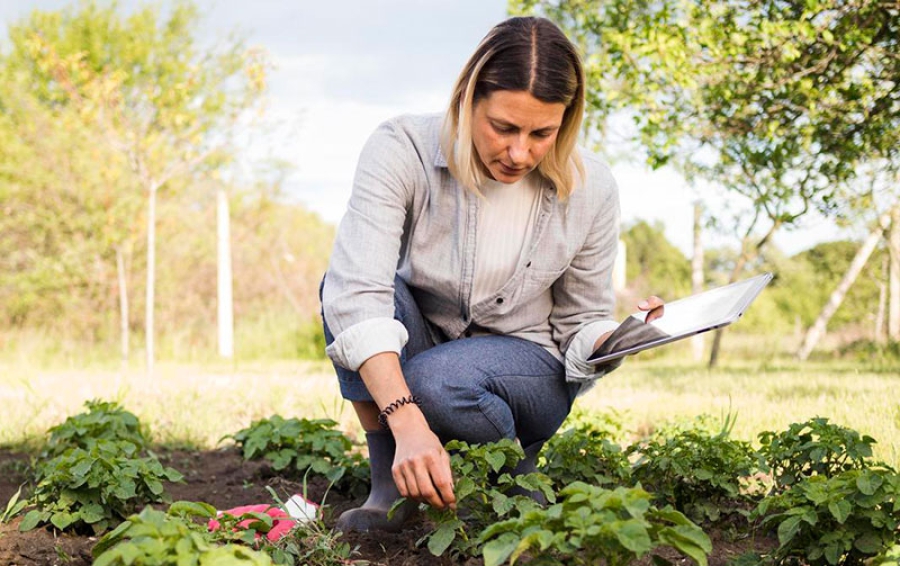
396	407
405	419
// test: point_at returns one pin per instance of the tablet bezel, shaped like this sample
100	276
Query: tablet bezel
741	303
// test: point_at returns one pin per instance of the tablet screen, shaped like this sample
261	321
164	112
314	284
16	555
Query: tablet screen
684	317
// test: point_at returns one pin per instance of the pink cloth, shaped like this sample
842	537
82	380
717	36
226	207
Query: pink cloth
280	526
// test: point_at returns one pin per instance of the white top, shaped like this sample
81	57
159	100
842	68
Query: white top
506	221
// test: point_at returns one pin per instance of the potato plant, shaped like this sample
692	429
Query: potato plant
814	447
300	446
103	420
485	491
94	488
584	453
156	538
91	473
840	520
698	473
180	536
593	525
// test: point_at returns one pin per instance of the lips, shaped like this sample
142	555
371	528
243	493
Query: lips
512	171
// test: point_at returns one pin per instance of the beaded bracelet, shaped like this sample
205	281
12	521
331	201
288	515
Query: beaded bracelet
383	415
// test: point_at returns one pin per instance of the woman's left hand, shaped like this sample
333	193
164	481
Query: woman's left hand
654	306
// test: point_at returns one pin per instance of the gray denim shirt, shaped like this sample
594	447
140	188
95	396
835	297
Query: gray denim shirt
408	216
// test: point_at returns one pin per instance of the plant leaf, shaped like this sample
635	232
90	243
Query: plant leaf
441	539
498	550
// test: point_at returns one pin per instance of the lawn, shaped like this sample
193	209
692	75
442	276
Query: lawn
194	405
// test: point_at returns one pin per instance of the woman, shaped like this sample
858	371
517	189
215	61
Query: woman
471	275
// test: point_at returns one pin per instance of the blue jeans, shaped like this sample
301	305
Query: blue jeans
478	389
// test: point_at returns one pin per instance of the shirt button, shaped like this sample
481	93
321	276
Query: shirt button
499	300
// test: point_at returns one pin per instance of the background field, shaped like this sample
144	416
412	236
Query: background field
196	405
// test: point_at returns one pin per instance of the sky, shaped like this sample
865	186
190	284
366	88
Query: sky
341	68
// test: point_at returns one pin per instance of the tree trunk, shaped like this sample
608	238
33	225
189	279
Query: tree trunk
894	279
816	331
879	336
749	252
697	274
123	303
151	277
225	302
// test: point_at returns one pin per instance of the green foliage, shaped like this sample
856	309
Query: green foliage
836	520
890	557
592	525
103	420
181	535
95	488
813	447
156	538
586	451
101	104
301	446
485	490
874	354
828	261
697	472
653	264
786	105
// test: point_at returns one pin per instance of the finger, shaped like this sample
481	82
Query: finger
655	313
427	491
651	303
443	480
400	480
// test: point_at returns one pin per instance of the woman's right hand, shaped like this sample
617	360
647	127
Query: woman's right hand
421	465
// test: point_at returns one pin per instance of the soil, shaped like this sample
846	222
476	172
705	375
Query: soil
223	479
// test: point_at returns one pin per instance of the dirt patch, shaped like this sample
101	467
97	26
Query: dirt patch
223	479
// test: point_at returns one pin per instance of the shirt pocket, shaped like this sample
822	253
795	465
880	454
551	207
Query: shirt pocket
537	281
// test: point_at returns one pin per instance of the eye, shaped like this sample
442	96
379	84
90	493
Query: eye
503	129
542	134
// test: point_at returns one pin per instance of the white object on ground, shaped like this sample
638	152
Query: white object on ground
301	509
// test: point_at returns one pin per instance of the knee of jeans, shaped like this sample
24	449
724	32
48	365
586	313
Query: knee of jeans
458	410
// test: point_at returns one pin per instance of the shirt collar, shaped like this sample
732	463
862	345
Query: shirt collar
439	159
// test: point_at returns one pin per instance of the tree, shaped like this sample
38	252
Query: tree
837	296
64	206
653	263
165	105
777	102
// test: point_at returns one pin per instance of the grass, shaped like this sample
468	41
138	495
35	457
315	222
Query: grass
195	405
763	397
190	406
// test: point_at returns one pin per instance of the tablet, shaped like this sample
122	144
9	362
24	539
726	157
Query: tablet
686	317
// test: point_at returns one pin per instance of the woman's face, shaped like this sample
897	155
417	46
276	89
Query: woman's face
512	131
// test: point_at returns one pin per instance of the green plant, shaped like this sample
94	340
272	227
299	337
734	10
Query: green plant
156	538
584	453
170	538
484	490
301	446
593	525
890	557
94	488
103	421
814	447
838	520
698	473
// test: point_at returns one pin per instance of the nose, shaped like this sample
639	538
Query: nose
518	151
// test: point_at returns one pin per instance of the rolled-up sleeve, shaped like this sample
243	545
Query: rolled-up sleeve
584	298
358	294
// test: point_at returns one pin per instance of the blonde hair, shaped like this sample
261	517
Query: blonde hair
519	54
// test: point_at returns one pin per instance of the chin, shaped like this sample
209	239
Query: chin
508	179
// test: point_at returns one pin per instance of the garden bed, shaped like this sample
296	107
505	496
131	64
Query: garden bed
223	479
